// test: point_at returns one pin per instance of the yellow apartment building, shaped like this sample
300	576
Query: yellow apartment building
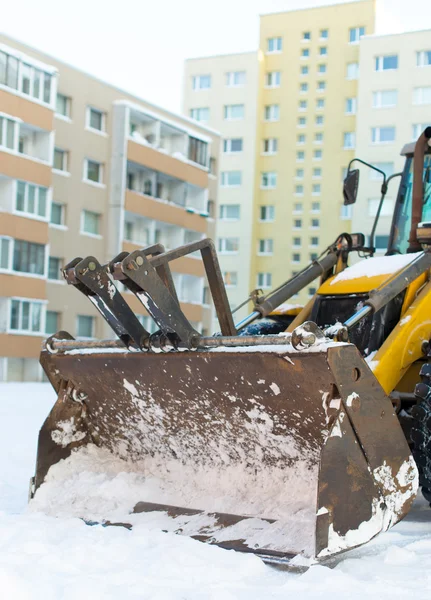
305	135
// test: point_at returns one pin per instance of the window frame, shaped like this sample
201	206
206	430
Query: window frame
375	139
26	213
230	79
272	146
221	245
271	108
272	79
197	82
85	178
82	231
65	117
228	108
224	217
420	58
65	161
88	126
379	62
271	178
93	327
200	109
378	96
29	331
224	179
352	136
227	145
278	45
264	243
267	280
358	32
266	208
354	103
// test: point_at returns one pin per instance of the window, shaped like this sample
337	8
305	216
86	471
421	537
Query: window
62	106
319	120
268	180
201	82
302	105
299	190
312	290
8	131
93	171
300	139
267	213
296	257
320	103
84	326
270	146
302	121
352	70
350	106
33	81
57	213
5	252
232	145
274	44
303	88
90	222
355	34
31	199
297	223
297	207
231	178
316	189
266	246
346	212
422	95
234	111
323	51
230	278
54	267
60	159
228	245
382	135
381	242
317	172
296	242
28	257
306	36
264	280
300	156
52	322
318	138
418	129
272	112
235	78
386	63
423	58
198	151
321	86
272	79
304	70
229	212
313	256
305	53
314	241
349	140
25	316
200	114
95	119
314	223
386	167
299	173
387	208
317	155
321	68
385	98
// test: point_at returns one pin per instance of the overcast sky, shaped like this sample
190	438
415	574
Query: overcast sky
140	45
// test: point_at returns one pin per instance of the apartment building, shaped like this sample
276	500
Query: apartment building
394	107
222	91
308	87
87	169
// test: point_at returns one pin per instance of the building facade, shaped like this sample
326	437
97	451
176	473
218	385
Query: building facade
296	107
87	169
222	91
394	104
307	104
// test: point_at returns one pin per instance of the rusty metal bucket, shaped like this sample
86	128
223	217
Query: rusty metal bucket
270	451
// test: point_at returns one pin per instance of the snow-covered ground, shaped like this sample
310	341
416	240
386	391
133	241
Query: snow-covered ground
64	559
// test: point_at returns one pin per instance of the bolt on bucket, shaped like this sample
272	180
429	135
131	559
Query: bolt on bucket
262	449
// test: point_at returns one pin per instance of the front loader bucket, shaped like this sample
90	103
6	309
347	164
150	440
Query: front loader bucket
260	449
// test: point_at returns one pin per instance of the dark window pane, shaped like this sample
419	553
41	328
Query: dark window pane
14	315
52	319
54	268
20	195
47	88
93	171
12	72
96	119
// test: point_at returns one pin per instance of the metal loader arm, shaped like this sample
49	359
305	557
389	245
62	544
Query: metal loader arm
93	280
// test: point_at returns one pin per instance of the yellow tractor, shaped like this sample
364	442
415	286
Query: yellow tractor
294	432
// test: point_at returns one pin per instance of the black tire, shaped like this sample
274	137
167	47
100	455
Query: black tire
421	430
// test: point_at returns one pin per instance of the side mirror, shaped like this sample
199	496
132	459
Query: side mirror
350	187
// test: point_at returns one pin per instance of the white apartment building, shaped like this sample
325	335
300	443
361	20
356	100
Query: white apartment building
394	107
221	91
